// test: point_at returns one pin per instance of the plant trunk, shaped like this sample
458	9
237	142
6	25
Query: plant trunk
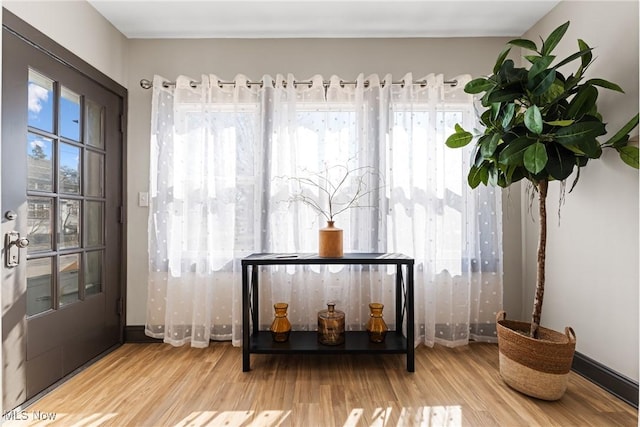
542	246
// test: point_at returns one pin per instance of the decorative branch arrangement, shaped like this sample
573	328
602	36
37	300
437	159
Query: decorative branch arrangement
341	187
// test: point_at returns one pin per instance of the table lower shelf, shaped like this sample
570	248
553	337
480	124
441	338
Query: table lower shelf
307	342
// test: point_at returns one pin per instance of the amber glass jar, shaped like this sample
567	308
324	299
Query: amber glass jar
281	327
376	326
331	325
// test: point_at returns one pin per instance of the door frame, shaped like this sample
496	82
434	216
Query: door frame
35	38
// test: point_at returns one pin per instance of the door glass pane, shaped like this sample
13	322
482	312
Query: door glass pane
94	222
69	172
69	114
39	163
40	102
39	285
95	123
69	224
95	174
93	273
68	279
39	224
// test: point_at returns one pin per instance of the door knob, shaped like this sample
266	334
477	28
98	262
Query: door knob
12	245
21	242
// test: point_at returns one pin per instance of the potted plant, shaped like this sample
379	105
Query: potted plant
332	191
540	126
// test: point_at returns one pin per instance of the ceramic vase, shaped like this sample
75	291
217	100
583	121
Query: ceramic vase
330	241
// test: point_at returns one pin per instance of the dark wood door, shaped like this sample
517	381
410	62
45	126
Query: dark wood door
61	219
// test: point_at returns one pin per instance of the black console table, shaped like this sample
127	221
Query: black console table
260	342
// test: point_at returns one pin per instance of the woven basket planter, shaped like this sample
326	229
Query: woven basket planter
536	367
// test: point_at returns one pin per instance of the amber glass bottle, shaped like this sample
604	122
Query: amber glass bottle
376	325
281	327
331	325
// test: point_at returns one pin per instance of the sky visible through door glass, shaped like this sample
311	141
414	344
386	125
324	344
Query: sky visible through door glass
41	101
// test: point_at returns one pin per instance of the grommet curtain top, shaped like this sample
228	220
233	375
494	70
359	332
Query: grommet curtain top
147	84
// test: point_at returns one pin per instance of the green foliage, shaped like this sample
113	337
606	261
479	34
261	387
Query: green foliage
629	155
459	139
539	124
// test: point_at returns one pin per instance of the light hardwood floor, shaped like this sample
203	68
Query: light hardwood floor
159	385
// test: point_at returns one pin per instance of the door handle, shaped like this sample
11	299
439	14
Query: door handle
12	245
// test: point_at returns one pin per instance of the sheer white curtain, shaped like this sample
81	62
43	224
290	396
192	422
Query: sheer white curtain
221	159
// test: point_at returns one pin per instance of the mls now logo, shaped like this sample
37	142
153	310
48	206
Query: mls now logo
43	416
15	415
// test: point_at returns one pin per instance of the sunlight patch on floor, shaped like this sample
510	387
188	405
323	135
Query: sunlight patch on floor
430	416
449	416
354	417
235	418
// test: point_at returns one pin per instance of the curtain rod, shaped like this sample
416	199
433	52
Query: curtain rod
147	84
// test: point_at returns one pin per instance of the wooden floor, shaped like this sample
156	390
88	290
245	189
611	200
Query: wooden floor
159	385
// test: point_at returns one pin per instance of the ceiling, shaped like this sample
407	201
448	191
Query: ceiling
322	18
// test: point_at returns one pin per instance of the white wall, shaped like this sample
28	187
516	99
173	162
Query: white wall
304	58
592	256
77	26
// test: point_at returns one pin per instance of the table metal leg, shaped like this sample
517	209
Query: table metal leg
399	299
254	298
410	321
246	362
